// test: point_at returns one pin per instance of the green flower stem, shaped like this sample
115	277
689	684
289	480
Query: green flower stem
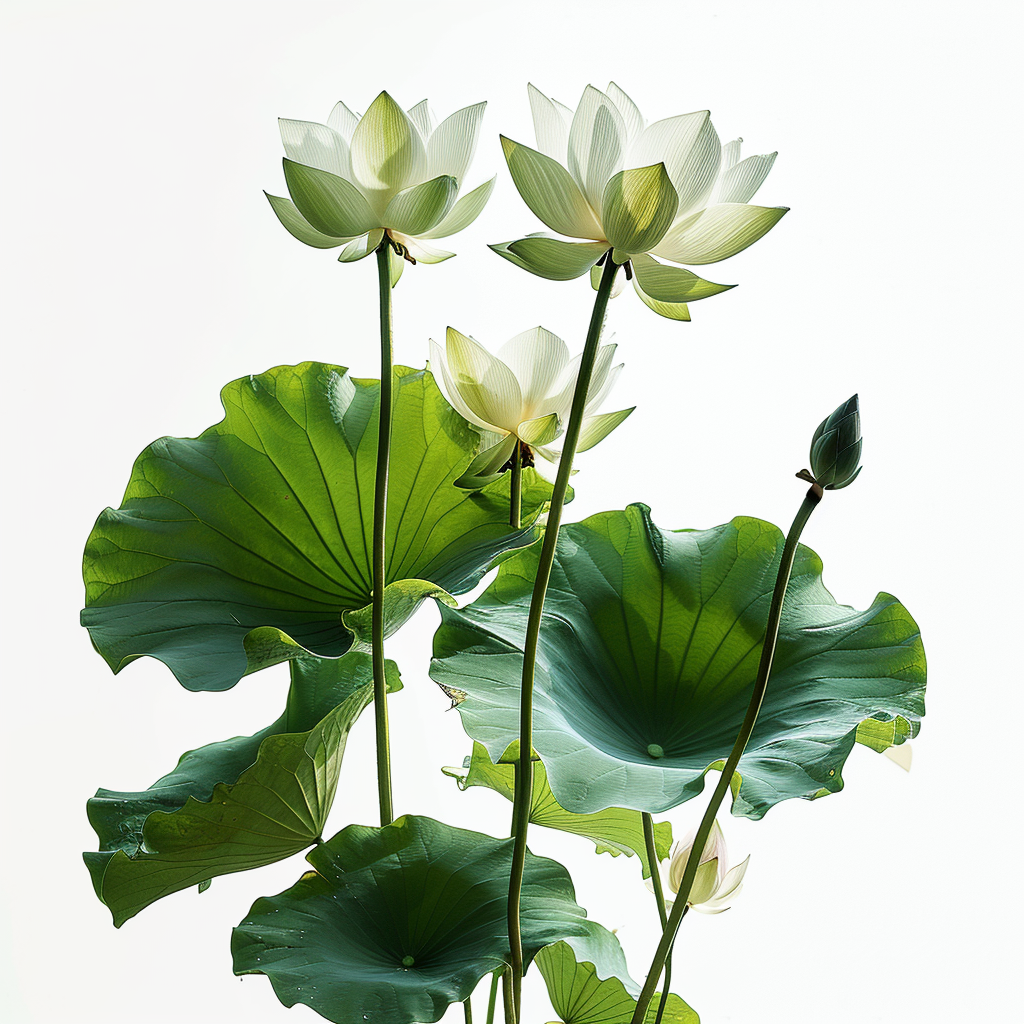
810	502
524	788
468	1007
492	999
508	996
659	896
380	501
516	505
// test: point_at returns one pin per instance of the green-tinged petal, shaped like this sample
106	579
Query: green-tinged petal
361	247
648	653
549	190
597	428
250	544
395	924
562	392
439	365
669	310
638	207
550	125
739	183
597	143
331	204
315	145
552	258
540	429
536	357
598	390
617	286
396	266
299	227
581	995
614	830
417	209
731	154
423	117
451	147
485	383
343	121
234	805
631	116
672	284
689	147
419	251
387	152
464	212
718	232
486	467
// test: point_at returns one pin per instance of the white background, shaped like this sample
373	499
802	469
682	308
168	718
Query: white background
143	270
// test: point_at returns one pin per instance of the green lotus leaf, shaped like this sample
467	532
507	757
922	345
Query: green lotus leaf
250	544
615	830
648	654
581	995
394	924
237	804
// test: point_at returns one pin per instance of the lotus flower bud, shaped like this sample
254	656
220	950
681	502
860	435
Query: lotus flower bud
835	447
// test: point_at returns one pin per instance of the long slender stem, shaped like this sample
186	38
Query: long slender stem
492	999
515	514
508	996
810	502
659	896
380	501
524	789
467	1005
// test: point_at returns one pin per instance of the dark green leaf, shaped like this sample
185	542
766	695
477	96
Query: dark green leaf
397	923
250	544
648	654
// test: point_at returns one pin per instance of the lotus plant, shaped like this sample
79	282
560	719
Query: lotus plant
390	174
520	397
635	191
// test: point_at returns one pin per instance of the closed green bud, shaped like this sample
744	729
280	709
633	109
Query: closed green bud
835	447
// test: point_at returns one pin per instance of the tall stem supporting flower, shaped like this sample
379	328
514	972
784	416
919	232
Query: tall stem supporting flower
515	514
492	999
659	896
524	778
380	502
764	668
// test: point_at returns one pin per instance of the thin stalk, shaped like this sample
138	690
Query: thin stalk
468	1007
524	789
380	501
764	668
659	896
508	996
492	999
515	514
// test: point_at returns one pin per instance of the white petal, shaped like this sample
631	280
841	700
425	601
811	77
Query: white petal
731	154
540	430
362	246
902	755
315	145
536	357
452	145
691	151
631	116
732	881
439	367
597	144
596	428
718	232
423	117
739	183
343	121
705	882
598	392
560	399
485	383
550	125
419	252
466	210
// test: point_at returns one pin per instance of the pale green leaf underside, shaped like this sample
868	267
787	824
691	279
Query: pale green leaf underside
417	889
614	830
251	544
648	654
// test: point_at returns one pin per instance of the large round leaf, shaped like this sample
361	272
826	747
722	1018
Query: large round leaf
251	544
237	804
648	654
394	924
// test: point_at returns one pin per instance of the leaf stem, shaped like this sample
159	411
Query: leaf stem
467	1005
659	896
764	668
516	503
492	999
380	500
508	996
524	790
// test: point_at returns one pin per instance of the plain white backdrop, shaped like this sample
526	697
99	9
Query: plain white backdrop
143	269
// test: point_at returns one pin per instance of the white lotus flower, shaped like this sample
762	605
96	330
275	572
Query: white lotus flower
669	189
390	172
524	393
714	885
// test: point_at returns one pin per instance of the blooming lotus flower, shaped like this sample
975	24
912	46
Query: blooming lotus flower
390	172
714	885
632	189
524	393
